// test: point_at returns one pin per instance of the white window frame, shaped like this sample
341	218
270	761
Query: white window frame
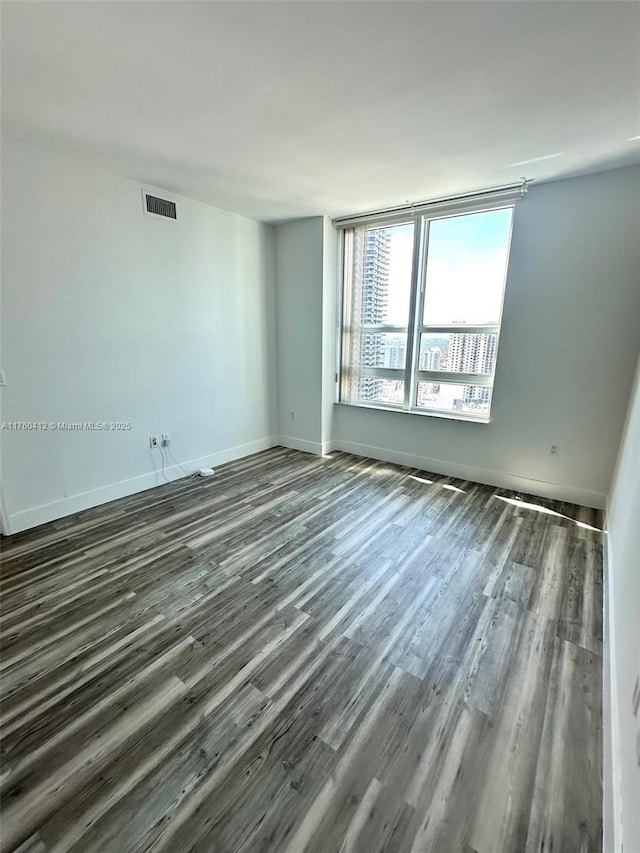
411	375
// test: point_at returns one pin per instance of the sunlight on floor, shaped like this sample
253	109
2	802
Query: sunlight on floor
586	526
543	509
447	486
421	480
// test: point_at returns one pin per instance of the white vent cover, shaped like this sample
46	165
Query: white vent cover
160	207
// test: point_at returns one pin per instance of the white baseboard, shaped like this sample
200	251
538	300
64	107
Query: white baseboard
501	479
4	516
301	444
32	517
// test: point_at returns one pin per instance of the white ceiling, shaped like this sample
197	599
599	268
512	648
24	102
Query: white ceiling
286	109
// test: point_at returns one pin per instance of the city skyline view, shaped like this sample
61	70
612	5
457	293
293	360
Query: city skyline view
463	286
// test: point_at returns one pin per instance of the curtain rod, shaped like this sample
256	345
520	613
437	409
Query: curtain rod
512	191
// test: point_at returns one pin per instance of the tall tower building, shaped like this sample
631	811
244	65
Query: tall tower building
431	359
375	294
395	350
375	275
473	353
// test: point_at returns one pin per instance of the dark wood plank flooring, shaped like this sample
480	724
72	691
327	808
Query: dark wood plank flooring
305	654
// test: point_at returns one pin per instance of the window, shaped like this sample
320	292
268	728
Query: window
422	305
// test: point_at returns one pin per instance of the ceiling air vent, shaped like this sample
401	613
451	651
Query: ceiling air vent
162	207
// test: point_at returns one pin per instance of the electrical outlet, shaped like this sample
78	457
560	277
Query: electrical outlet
153	442
554	450
166	439
292	415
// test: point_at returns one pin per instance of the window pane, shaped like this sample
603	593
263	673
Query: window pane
381	277
390	391
468	353
466	399
466	268
383	349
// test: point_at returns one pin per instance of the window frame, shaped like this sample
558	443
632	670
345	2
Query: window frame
411	375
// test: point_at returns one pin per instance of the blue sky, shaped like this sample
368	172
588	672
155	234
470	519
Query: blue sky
465	269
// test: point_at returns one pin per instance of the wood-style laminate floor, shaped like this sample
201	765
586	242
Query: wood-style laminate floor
305	654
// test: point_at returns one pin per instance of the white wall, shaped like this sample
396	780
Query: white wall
299	304
567	353
115	316
623	540
306	277
330	332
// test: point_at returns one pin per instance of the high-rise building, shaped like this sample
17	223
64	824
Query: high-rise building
471	353
375	293
395	350
431	359
375	275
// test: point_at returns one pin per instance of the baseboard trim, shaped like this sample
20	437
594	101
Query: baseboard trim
5	527
289	441
501	479
34	516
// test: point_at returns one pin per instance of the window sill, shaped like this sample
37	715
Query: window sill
450	416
